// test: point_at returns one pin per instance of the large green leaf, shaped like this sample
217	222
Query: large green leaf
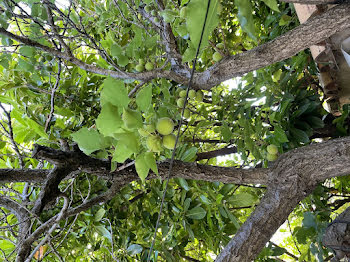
109	120
272	4
280	135
144	98
245	17
196	213
121	153
88	140
129	139
196	11
114	92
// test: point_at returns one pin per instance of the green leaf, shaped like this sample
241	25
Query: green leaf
109	120
189	54
104	232
196	11
183	183
129	139
272	4
299	135
99	215
142	167
88	140
144	98
151	161
196	213
189	155
280	135
121	153
315	122
285	20
245	17
27	51
226	133
134	249
114	92
242	199
168	15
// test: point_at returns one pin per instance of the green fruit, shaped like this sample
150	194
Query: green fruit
220	46
149	66
149	128
199	96
169	141
165	126
271	157
183	12
139	68
192	94
217	56
154	143
154	12
143	132
182	93
180	102
131	118
156	20
187	113
272	149
148	8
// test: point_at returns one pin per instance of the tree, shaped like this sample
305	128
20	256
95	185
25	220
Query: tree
84	84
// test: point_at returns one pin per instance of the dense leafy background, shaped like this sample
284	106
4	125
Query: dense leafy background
280	104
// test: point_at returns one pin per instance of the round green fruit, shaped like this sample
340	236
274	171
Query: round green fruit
156	20
182	93
149	66
180	102
192	94
139	68
217	56
271	157
148	8
165	126
187	113
183	12
272	149
199	96
154	12
169	141
220	46
154	143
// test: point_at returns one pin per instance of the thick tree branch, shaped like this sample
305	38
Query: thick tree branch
293	176
316	2
23	175
313	31
216	153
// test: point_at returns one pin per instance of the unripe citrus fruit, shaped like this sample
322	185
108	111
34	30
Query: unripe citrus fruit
217	56
271	157
139	68
192	94
180	102
272	149
187	113
199	96
154	143
220	46
169	141
165	126
149	66
182	93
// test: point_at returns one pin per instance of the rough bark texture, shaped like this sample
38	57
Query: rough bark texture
292	178
312	32
337	236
